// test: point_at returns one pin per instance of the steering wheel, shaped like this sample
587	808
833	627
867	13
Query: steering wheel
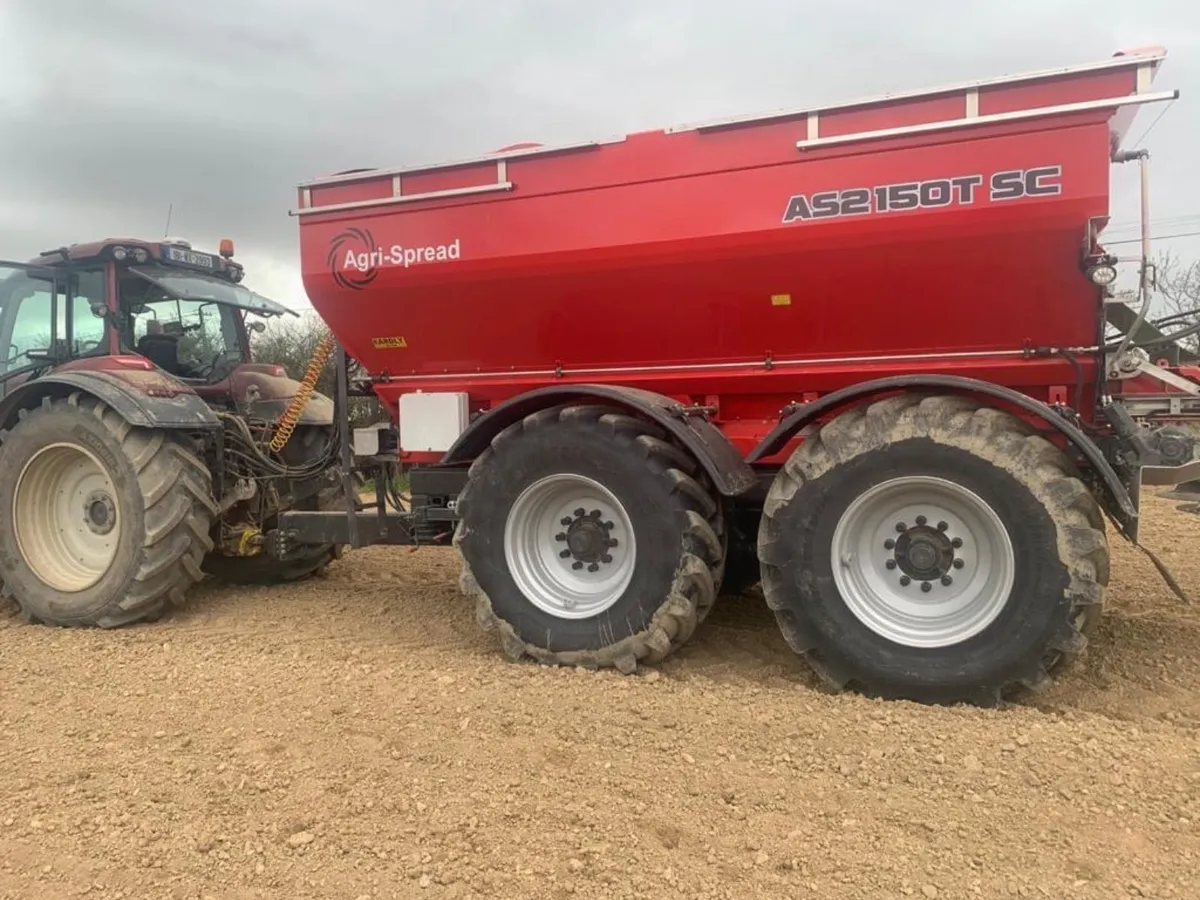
207	372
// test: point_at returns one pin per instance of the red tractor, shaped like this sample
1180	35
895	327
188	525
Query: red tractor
141	447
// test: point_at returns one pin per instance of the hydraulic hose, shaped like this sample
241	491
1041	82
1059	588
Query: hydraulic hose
291	415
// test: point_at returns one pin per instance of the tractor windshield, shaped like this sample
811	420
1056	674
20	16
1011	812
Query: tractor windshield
185	285
187	323
188	338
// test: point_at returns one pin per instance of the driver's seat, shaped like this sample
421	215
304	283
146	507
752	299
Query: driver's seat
160	349
163	351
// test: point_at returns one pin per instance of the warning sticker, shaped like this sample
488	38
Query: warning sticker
389	343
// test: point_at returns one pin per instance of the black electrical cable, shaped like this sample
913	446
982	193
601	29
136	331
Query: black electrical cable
250	450
1172	338
1171	320
1080	379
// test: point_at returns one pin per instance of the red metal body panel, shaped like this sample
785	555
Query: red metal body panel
696	262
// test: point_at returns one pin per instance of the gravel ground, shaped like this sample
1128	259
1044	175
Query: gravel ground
357	737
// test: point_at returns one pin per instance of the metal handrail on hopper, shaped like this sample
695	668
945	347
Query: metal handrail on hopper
1145	61
970	121
500	160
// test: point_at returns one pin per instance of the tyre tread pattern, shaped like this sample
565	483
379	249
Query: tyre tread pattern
702	562
1005	441
175	486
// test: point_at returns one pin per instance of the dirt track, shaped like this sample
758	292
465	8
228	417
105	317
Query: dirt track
357	737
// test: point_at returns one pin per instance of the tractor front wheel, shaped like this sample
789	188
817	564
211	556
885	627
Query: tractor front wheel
588	539
101	524
933	549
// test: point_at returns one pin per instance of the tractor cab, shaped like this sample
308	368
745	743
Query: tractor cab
192	325
183	311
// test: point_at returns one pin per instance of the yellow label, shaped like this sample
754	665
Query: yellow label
781	299
389	343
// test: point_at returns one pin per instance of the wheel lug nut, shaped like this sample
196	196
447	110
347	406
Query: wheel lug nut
561	536
891	564
607	526
612	542
942	526
577	565
580	513
921	520
901	528
565	554
595	514
905	581
606	558
958	564
564	522
593	568
889	544
957	542
926	586
947	580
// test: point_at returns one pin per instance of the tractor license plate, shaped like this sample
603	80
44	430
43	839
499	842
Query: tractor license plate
190	257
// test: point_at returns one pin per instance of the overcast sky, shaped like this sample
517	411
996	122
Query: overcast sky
110	110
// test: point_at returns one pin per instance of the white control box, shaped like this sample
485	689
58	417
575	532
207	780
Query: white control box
369	441
432	422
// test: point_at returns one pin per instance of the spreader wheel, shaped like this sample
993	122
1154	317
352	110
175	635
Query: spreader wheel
588	539
933	549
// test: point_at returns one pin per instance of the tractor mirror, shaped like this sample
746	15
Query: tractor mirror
257	326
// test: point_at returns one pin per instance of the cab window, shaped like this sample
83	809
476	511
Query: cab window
87	329
27	324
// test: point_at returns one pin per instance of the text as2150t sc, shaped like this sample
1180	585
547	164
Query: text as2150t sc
959	190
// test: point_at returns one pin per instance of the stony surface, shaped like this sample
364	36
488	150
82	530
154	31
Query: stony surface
358	738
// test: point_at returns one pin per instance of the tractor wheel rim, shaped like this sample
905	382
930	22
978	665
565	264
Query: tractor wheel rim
569	546
923	561
66	517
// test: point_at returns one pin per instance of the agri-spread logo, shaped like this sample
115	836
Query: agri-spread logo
355	259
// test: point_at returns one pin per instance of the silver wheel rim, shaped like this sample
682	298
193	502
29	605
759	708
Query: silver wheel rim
569	546
923	562
66	517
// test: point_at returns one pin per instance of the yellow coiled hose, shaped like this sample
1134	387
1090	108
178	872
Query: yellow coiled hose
291	415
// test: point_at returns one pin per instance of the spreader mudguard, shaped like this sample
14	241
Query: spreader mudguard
181	410
730	474
1120	505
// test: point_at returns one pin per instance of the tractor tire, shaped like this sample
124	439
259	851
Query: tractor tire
265	570
588	539
933	549
101	523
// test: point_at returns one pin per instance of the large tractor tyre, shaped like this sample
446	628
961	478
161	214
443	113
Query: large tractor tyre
264	569
588	539
101	524
933	549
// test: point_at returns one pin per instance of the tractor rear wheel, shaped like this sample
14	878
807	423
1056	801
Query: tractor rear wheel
101	524
933	549
588	539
